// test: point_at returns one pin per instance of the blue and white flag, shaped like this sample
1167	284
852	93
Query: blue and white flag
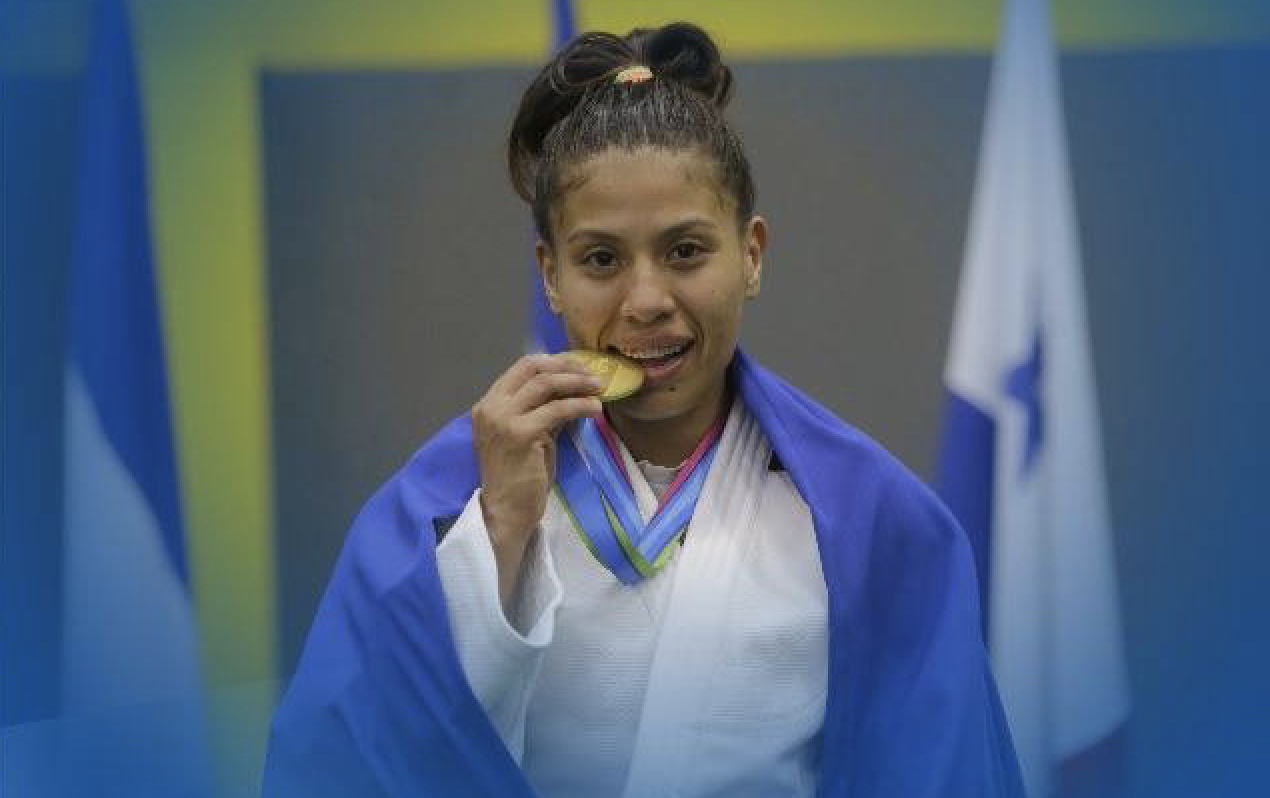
548	330
131	685
1021	462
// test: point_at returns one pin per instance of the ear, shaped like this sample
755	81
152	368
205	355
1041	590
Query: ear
755	244
547	270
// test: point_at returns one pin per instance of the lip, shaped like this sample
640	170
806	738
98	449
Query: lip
658	342
662	373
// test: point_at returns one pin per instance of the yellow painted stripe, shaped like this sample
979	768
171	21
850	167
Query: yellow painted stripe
333	33
50	34
812	27
199	79
834	27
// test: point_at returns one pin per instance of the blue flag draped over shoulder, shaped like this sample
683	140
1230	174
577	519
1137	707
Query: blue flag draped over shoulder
380	705
1021	463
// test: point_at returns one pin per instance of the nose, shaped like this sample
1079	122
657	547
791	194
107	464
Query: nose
648	297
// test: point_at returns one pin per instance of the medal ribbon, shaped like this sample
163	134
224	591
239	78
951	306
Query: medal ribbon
596	491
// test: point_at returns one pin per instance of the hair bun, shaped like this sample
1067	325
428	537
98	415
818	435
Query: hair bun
684	53
680	55
586	60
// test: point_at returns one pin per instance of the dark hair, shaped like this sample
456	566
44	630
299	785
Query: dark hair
574	109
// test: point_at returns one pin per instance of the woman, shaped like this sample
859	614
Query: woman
710	587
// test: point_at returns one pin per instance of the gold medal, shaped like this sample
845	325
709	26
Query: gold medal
622	376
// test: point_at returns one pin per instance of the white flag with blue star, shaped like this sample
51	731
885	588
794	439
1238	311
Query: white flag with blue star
1021	463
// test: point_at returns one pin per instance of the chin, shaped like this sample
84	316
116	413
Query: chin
663	404
660	406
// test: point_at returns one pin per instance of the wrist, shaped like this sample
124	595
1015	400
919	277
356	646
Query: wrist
504	532
509	543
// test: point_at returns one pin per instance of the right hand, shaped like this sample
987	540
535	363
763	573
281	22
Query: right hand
514	427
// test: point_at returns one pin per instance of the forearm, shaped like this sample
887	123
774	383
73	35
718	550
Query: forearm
501	637
510	546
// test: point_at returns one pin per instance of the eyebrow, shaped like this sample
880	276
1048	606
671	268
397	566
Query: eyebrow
679	229
673	231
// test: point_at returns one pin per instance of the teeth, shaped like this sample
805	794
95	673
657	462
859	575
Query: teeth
650	354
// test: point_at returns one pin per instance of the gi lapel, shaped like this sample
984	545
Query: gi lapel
721	534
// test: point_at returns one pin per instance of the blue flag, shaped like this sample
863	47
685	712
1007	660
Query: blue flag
131	719
548	333
1021	463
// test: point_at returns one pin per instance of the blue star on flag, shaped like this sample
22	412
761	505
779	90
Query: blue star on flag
1023	384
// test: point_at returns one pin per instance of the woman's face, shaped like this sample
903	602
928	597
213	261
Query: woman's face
647	259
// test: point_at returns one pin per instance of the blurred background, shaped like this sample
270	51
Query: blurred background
341	267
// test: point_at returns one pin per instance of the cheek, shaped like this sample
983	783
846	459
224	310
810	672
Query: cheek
586	302
586	314
579	315
721	310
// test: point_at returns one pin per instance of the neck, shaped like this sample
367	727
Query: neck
668	442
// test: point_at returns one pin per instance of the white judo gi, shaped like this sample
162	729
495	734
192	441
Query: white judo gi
707	679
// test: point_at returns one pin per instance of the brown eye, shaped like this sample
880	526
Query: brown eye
600	260
686	250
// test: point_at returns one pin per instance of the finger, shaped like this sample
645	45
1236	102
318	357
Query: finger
529	366
517	375
545	387
554	414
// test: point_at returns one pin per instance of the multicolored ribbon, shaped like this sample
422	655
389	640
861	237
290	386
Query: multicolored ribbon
596	491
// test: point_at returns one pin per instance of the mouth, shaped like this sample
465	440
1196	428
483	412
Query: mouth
660	360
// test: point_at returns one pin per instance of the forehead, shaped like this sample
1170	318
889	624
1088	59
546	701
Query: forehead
620	188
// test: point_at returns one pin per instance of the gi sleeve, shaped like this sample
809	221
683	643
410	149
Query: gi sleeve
501	655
